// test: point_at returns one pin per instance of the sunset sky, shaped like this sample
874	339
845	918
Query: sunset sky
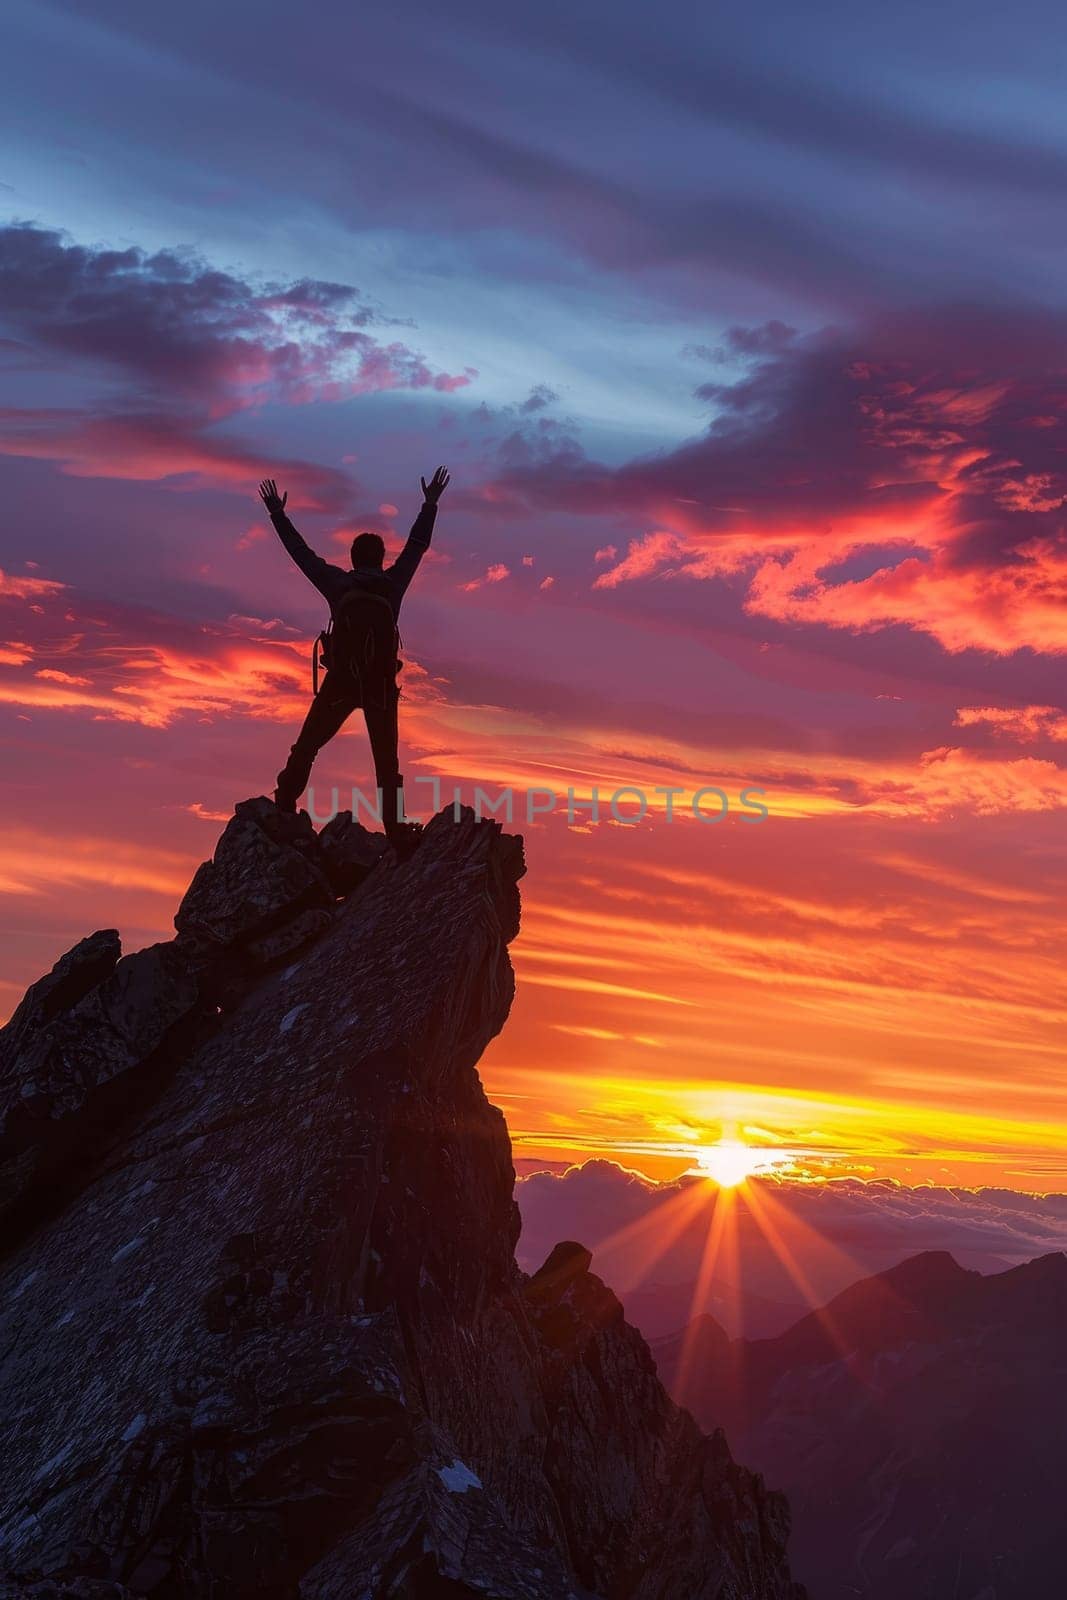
744	334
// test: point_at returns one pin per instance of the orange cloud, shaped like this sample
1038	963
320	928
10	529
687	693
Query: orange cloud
54	676
1024	723
996	608
240	668
31	865
26	588
951	780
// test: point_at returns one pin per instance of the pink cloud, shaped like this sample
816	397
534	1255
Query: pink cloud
175	323
654	554
193	346
494	574
904	474
155	449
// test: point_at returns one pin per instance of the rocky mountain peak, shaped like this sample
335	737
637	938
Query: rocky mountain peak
263	1332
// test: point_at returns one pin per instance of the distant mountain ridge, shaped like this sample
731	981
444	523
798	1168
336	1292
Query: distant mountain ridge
918	1424
649	1239
659	1309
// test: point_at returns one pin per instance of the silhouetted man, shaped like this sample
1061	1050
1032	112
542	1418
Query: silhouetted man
359	651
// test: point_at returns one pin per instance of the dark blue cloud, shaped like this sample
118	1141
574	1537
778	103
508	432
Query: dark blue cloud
838	158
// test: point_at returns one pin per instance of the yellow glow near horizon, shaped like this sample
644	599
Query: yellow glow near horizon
659	1124
729	1162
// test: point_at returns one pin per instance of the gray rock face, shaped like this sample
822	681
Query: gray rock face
349	851
271	1339
665	1510
64	1589
70	980
266	869
97	1034
66	1079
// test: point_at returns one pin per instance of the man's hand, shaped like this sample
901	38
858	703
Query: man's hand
274	502
432	491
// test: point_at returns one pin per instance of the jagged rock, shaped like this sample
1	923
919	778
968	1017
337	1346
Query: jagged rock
120	1023
284	942
349	851
276	1343
72	1078
89	962
665	1510
90	1038
267	868
440	1529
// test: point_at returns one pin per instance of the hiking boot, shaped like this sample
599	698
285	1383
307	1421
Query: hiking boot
285	802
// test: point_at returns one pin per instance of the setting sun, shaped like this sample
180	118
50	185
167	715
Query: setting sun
729	1162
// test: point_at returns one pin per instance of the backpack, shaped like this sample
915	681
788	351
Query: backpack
362	639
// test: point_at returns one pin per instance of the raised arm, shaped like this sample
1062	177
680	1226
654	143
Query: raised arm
418	541
320	572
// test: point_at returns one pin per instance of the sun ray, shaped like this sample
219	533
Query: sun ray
721	1237
773	1230
641	1244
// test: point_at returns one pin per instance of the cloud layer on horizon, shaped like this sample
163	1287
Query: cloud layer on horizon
794	1241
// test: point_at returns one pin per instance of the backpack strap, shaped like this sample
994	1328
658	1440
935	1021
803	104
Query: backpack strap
320	654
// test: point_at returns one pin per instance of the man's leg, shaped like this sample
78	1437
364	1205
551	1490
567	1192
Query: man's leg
326	714
380	712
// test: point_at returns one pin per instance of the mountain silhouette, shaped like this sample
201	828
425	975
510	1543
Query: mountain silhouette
659	1309
917	1423
262	1333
